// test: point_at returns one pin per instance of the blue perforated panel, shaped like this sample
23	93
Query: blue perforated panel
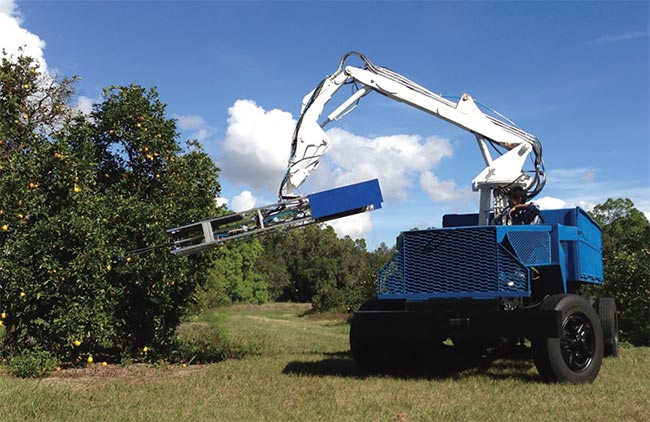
531	247
389	278
450	263
513	277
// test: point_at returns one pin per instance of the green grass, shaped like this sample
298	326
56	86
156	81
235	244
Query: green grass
301	371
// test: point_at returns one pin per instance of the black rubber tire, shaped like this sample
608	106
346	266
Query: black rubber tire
575	357
606	309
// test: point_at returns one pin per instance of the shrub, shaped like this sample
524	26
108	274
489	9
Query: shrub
32	363
329	299
200	342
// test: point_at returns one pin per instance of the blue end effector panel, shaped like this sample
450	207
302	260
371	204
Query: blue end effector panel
346	200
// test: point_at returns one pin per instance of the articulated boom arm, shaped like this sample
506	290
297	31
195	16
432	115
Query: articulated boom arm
310	141
213	232
290	213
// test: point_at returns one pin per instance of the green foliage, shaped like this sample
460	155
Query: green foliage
313	265
74	201
232	278
32	363
310	258
33	104
329	299
626	256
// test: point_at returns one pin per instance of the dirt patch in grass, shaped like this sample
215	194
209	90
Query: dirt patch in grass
137	373
277	306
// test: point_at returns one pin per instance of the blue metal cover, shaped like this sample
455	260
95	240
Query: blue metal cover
346	200
580	255
492	261
587	252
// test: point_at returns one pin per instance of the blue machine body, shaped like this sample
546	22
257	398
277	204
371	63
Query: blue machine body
463	260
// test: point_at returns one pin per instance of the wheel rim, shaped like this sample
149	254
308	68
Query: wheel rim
578	342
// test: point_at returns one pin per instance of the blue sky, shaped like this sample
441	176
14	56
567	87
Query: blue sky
575	74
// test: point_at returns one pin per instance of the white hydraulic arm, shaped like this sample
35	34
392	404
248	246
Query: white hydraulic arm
501	173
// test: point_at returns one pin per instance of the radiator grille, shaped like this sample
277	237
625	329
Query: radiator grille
464	262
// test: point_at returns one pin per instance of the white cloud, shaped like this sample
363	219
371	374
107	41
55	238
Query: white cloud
221	201
255	152
197	127
623	36
588	176
395	160
356	226
568	178
8	7
13	36
244	201
201	135
190	121
550	203
85	104
442	190
580	187
257	145
585	204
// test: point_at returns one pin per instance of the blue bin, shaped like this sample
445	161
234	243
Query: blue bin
584	259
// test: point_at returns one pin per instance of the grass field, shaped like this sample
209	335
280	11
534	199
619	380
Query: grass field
301	371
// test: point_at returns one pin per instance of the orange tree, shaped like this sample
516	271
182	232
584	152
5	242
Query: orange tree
78	194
